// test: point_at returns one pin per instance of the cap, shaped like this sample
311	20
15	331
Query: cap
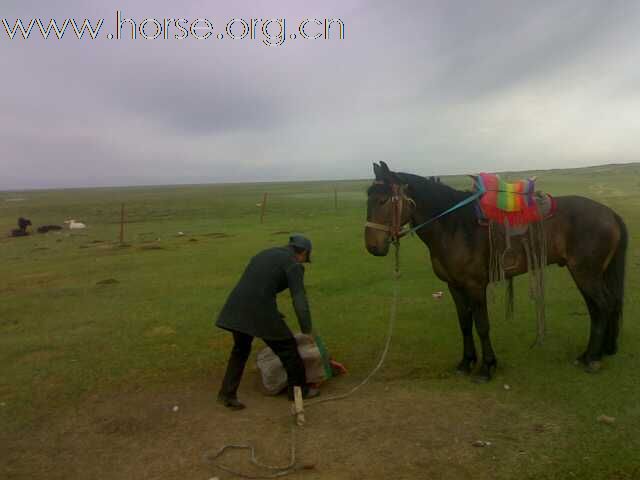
302	242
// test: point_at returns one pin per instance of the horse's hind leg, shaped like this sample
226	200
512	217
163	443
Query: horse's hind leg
481	320
465	319
594	314
611	333
594	294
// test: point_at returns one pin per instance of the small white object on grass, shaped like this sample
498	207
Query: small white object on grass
481	443
607	419
507	387
73	225
176	408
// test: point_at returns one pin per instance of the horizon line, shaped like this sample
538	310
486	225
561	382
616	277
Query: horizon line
261	182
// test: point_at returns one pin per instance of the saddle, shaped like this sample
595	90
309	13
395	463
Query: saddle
512	204
513	213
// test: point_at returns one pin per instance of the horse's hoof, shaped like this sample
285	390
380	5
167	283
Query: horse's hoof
485	372
481	378
593	366
581	360
464	368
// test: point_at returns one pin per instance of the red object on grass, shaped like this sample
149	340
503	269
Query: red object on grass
338	368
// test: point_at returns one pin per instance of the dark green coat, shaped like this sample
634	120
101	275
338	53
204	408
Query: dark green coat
251	307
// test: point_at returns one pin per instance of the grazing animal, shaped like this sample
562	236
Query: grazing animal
49	228
73	225
589	238
23	223
21	231
16	232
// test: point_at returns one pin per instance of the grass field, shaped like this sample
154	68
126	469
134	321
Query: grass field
82	316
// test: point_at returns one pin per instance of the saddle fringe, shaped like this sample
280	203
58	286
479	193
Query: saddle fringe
535	248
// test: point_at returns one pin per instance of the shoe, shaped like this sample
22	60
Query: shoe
230	403
310	393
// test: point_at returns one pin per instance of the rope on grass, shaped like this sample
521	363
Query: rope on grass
278	471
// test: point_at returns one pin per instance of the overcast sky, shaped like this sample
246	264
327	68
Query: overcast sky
431	87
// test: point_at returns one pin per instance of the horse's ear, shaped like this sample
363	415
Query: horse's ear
377	171
387	175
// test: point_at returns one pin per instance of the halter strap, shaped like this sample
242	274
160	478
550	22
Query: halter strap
378	226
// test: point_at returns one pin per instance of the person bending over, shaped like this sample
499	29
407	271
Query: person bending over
251	311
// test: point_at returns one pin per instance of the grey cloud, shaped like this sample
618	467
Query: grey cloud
517	45
464	51
434	86
196	103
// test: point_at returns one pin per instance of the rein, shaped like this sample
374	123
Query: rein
398	197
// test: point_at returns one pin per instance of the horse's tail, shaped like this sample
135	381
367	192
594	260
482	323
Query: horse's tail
614	277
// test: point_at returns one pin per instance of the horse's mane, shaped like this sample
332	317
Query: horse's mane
433	198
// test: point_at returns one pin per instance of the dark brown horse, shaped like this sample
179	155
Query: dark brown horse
583	235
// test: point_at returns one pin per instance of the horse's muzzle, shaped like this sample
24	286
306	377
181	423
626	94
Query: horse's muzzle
377	250
376	241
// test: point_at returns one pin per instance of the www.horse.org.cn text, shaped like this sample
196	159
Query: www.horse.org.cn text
270	31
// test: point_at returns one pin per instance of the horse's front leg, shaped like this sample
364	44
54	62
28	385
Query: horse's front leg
481	319
465	319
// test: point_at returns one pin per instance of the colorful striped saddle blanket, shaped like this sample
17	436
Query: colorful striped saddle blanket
516	202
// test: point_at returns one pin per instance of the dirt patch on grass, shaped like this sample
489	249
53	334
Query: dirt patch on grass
151	247
93	243
216	235
161	331
30	281
381	432
37	276
39	356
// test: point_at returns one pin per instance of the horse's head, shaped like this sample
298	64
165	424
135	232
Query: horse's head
388	209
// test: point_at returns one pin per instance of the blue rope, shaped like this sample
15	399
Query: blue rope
466	201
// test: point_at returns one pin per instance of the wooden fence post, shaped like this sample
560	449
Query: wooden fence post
264	207
122	225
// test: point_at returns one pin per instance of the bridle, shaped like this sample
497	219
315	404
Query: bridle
398	198
396	230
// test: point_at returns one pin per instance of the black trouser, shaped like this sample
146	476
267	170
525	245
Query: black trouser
286	350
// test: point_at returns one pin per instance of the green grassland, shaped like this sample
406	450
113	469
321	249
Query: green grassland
80	313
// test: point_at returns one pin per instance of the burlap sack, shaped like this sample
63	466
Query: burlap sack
273	374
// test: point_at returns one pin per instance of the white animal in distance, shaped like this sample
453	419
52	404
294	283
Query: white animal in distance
73	225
